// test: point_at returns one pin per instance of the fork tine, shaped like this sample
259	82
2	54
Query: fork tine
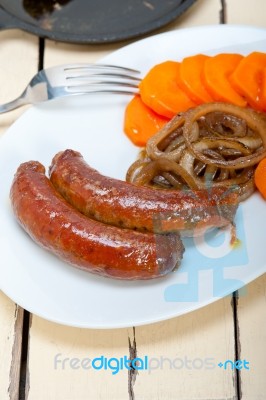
106	74
99	66
112	76
102	83
105	91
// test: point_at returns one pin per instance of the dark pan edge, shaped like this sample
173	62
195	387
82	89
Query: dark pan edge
10	22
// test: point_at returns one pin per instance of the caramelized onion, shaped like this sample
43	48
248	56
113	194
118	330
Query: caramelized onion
212	145
149	172
253	120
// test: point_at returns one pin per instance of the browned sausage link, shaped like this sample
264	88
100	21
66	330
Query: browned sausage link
83	242
123	204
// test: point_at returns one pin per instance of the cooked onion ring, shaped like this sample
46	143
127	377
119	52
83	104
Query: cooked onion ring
187	163
154	146
150	170
253	121
212	145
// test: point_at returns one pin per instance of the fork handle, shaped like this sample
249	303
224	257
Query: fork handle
20	101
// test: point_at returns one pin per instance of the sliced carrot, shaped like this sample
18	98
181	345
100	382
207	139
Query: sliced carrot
247	77
141	122
160	91
216	71
191	70
260	177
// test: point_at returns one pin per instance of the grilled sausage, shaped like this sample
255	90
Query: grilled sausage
88	244
136	207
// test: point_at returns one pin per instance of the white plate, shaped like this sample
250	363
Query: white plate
44	285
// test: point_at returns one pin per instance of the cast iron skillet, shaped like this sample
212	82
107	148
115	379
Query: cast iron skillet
89	21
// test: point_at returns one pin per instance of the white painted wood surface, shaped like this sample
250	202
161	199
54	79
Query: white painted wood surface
251	307
59	380
184	354
206	333
18	62
11	318
179	350
246	12
252	339
19	57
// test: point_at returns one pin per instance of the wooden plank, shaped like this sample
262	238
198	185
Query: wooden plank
50	344
251	307
11	321
64	53
202	12
184	354
251	313
201	340
246	12
18	63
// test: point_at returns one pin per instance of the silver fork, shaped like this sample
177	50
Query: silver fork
76	79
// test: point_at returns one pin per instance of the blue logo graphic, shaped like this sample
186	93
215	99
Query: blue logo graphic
238	364
215	254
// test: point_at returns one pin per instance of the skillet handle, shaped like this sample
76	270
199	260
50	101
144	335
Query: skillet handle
6	20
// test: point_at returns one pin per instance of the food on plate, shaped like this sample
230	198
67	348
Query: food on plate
212	145
127	205
191	70
215	76
172	87
160	90
247	79
141	122
260	177
190	177
83	242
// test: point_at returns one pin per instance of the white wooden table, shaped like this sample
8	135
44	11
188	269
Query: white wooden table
232	328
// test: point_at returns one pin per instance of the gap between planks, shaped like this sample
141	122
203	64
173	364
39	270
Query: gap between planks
223	12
